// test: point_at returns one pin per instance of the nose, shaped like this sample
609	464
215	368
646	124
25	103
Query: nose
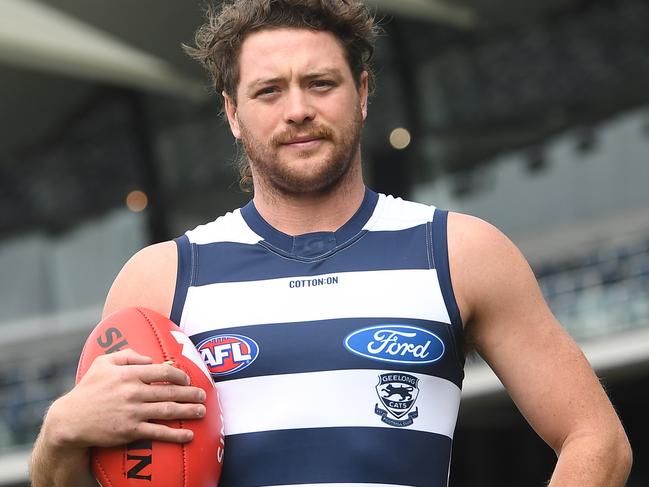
298	108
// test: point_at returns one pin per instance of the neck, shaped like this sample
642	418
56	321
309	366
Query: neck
297	214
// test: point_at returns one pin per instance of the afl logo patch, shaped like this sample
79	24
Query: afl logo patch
402	344
227	354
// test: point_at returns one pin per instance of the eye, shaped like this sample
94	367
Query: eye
322	84
267	91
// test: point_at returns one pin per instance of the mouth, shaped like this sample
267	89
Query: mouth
303	142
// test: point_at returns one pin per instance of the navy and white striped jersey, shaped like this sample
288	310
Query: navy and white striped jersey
338	355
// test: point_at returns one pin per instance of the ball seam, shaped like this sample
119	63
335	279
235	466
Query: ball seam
184	448
165	355
103	472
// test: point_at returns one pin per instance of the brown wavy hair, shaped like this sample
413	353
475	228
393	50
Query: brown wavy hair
218	41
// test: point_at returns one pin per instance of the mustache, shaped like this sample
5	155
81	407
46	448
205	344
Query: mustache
315	131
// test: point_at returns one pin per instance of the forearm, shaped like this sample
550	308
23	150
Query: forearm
593	461
53	464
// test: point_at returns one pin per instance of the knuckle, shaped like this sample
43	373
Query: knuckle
99	359
169	393
125	428
156	434
167	373
134	431
129	393
123	374
100	362
162	373
168	410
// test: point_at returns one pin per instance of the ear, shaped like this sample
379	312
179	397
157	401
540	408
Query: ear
231	112
363	93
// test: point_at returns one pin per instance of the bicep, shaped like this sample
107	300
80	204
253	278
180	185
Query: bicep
512	328
148	279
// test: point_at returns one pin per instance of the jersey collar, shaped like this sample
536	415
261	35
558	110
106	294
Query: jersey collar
311	245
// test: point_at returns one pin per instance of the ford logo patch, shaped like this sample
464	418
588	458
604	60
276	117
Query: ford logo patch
227	354
402	344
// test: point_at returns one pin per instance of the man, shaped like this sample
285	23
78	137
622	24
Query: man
346	314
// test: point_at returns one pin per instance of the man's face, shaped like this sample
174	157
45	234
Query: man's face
298	111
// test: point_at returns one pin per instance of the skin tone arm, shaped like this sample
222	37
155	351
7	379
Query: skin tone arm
546	374
120	392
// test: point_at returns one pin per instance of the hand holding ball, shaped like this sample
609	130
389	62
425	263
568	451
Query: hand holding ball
147	462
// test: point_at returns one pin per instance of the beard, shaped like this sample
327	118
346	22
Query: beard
305	172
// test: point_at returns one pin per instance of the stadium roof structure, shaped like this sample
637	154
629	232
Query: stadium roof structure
468	78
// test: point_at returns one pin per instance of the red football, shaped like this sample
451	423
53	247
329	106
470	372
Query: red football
154	463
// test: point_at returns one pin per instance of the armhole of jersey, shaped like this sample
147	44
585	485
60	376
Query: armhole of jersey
440	255
183	277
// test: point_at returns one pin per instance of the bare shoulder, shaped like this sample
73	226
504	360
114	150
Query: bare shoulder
470	236
148	279
504	312
484	264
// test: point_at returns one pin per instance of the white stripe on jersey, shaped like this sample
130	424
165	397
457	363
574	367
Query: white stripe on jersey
393	214
339	398
411	293
230	227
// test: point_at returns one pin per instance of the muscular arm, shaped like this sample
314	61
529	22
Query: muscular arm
545	373
52	464
148	280
116	398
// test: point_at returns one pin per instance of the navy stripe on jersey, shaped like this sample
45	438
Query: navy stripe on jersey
336	455
183	277
440	244
234	262
289	348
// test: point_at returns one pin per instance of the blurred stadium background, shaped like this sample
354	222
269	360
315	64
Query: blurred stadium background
532	115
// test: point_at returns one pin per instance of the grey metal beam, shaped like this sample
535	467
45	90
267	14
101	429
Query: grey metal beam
439	11
42	38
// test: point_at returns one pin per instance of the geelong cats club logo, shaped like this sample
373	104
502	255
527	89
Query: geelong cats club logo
398	393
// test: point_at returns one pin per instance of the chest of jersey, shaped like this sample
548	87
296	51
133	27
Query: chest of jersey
341	368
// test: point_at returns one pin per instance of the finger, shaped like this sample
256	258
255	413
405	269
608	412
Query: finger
171	411
161	373
172	393
127	357
161	432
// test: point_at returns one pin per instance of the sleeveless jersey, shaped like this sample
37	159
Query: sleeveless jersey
337	355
